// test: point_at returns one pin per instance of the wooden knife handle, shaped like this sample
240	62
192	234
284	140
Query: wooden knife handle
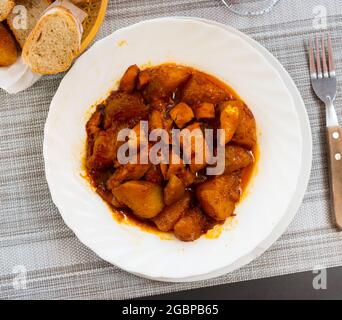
335	165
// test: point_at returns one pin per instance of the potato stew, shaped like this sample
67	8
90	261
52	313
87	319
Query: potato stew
173	196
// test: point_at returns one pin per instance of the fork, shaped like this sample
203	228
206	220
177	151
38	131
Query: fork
324	84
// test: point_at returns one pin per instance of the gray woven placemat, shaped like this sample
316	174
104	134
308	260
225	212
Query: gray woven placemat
35	242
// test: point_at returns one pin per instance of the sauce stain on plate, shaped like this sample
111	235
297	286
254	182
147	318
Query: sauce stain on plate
122	43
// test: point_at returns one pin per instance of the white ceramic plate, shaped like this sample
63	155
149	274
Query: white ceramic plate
285	147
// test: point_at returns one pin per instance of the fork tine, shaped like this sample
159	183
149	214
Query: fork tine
318	60
324	59
331	57
313	73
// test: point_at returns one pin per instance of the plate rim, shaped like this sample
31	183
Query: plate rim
306	164
306	160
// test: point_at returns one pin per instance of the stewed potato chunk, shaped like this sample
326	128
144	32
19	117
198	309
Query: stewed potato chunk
174	190
175	167
163	81
129	79
181	114
204	110
190	227
143	79
237	158
245	134
166	220
229	119
144	198
219	195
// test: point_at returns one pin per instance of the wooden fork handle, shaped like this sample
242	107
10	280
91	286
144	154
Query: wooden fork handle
335	166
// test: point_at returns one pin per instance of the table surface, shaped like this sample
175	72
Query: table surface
36	245
298	286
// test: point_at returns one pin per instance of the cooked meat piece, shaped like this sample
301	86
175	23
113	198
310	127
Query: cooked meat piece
195	167
199	178
245	134
127	172
176	165
198	150
187	177
200	89
181	114
163	169
137	138
104	150
174	190
156	120
93	125
129	79
144	198
199	161
101	176
191	226
237	158
122	106
204	110
166	220
200	156
143	79
219	195
154	174
163	82
108	196
194	126
159	120
115	203
229	119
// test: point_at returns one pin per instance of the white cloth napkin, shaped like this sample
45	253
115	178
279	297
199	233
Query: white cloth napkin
18	76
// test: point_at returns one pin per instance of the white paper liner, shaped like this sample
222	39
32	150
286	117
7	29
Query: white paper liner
19	76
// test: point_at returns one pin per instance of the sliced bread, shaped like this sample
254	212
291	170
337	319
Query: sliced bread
8	50
34	9
6	7
54	42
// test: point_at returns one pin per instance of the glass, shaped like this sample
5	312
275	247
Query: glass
250	7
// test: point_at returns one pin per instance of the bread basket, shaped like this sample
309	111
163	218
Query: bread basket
96	10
